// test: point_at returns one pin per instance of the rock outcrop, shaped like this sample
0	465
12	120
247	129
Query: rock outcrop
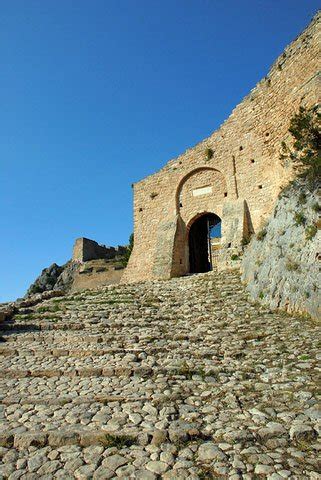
54	277
6	311
46	280
66	277
281	266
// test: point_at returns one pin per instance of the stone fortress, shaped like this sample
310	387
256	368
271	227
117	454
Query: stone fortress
186	378
231	178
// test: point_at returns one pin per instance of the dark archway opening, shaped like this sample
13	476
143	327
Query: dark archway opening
200	250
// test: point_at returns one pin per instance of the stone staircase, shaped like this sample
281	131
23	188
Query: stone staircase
183	379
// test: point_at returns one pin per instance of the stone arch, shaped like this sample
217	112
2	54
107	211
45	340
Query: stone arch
196	217
204	188
172	258
201	252
181	247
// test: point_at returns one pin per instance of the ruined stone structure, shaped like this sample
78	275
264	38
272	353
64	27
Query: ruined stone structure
233	176
86	249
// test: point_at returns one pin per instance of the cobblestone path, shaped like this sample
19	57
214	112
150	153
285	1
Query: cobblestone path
183	379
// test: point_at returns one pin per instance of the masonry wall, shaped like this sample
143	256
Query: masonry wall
244	171
86	249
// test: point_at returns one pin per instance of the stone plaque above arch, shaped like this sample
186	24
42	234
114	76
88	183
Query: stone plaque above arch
203	189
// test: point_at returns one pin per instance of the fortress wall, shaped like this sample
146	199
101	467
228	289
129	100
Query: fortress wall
86	249
246	153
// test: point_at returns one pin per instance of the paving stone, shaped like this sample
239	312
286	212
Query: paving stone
302	432
114	461
157	467
49	467
209	451
26	440
85	472
73	464
16	474
184	379
103	473
263	469
144	474
35	462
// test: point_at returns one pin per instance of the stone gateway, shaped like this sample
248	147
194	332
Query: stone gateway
231	179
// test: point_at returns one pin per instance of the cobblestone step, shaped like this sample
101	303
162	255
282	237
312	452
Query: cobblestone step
76	372
24	351
39	400
205	384
68	437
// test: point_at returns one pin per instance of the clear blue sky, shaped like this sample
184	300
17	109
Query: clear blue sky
97	94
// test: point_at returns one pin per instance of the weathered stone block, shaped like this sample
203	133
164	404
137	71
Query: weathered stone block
25	440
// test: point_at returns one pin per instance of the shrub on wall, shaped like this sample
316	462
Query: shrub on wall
305	153
310	232
316	207
209	153
292	266
261	234
129	249
245	241
299	218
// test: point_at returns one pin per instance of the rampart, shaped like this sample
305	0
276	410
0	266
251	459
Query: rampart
85	250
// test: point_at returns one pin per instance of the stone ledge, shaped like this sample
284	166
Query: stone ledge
79	437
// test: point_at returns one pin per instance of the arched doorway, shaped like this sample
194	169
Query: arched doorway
200	238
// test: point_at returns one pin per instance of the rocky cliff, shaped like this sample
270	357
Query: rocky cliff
282	264
75	276
54	277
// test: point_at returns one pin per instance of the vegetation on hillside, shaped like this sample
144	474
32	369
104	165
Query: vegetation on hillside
305	152
130	247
